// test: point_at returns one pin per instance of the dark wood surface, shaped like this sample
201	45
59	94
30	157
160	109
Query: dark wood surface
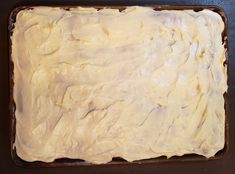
224	165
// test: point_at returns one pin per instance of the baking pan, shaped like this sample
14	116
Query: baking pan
116	161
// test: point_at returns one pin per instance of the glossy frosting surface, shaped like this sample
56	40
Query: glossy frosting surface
134	84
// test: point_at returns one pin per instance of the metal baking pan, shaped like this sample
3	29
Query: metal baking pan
116	161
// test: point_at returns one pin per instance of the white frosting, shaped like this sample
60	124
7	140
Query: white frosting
134	84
